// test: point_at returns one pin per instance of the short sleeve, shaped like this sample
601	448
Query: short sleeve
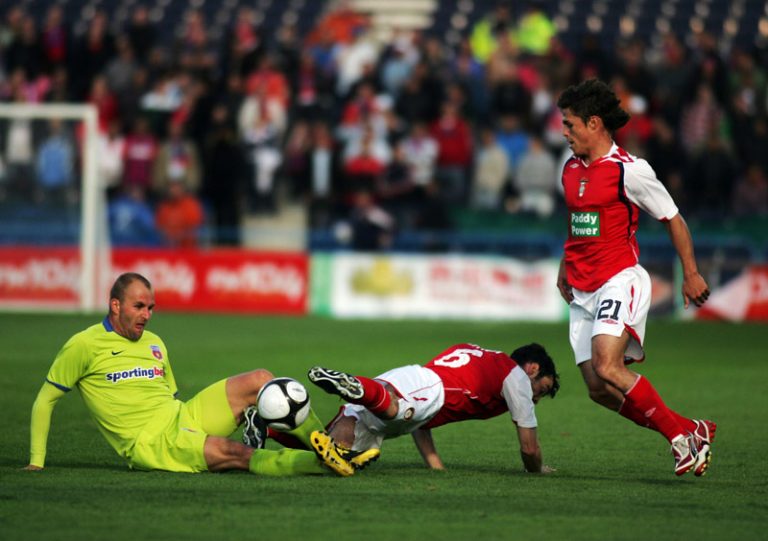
69	365
647	192
518	395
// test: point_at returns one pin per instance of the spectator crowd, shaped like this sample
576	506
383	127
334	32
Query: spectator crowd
380	137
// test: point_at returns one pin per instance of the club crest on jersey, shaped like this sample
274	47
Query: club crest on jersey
582	186
156	352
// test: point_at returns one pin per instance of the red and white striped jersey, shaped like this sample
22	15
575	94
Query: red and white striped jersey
481	383
603	199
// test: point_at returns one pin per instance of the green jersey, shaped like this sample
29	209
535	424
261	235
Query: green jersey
124	383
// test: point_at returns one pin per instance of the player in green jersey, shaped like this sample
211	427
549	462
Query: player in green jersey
125	378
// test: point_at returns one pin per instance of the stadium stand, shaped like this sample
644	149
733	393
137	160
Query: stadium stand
209	58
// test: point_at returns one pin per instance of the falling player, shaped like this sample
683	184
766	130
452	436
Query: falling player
463	382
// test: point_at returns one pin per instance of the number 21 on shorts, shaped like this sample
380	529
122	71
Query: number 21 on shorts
609	309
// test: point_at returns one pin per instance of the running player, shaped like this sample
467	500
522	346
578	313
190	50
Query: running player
463	382
608	291
125	378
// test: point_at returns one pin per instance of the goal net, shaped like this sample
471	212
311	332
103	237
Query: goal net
54	241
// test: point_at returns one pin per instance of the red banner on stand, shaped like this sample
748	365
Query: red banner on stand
219	280
745	298
32	276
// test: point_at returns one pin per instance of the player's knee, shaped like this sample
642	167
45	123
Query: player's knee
223	453
605	367
258	378
392	408
343	431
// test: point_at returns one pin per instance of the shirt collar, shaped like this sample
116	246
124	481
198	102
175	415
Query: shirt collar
107	324
611	151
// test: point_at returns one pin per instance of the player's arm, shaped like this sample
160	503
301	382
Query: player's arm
646	190
68	367
40	424
530	450
694	286
426	446
566	291
517	393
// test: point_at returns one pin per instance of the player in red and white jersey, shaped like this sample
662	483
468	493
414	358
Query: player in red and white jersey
609	293
463	382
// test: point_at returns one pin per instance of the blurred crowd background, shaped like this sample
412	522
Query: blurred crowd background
381	130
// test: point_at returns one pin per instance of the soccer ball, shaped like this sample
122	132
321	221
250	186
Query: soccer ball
283	403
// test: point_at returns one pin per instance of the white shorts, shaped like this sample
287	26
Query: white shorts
622	303
421	397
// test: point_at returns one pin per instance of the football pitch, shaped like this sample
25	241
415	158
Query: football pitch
614	480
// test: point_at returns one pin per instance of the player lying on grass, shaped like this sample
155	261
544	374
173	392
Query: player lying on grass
464	382
125	378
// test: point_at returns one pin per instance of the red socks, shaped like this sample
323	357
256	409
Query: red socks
375	398
644	406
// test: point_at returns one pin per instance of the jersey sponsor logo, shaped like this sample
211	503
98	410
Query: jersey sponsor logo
156	352
585	224
138	372
117	352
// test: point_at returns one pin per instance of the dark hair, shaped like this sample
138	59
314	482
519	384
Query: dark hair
594	98
535	353
122	283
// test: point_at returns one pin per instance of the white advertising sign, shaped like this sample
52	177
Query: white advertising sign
452	287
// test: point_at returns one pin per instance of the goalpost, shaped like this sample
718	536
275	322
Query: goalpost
93	249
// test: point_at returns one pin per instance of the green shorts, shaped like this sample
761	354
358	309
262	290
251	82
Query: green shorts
175	440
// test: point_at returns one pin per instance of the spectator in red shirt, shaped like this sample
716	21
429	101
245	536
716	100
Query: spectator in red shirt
105	102
179	217
140	153
454	141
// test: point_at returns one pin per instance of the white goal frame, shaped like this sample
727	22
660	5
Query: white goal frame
94	236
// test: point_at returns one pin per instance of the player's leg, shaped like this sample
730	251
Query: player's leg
609	397
242	390
641	396
581	318
223	454
369	393
359	446
222	407
342	429
304	431
620	309
600	391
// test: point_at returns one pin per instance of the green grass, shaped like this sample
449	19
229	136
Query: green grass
614	480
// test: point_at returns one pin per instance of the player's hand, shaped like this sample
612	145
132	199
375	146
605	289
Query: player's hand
32	467
566	291
543	471
695	290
